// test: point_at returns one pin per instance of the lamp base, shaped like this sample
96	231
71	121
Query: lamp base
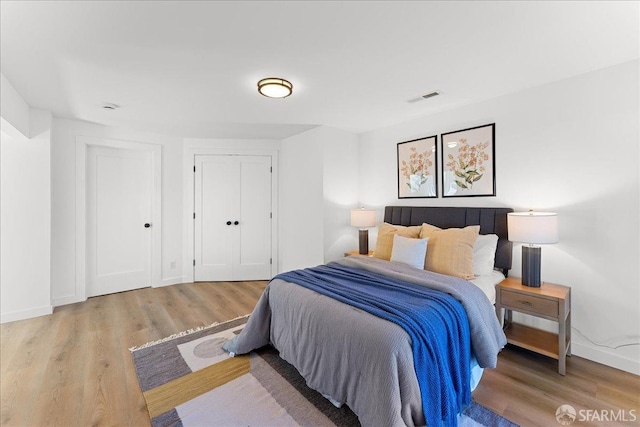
531	256
364	242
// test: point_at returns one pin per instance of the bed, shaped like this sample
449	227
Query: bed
355	357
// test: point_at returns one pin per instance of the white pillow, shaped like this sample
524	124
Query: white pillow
484	254
409	251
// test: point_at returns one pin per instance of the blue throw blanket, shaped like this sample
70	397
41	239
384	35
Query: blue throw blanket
436	322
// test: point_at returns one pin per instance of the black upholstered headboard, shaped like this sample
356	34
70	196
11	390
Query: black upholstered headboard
490	220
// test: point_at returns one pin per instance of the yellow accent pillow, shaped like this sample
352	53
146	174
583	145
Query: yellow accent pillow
384	244
450	251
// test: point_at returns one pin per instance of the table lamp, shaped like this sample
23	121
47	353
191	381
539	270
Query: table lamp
363	218
532	228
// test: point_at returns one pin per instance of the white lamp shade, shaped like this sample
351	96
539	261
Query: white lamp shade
363	218
533	227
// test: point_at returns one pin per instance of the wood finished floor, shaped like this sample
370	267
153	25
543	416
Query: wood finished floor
73	368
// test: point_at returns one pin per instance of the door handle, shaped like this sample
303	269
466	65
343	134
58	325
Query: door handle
235	223
228	222
147	225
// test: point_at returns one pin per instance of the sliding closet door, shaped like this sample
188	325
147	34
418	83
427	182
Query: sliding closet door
232	223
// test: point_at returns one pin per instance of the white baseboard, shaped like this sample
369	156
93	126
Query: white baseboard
597	355
26	314
170	281
67	300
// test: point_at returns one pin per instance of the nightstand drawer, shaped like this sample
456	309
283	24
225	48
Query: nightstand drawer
531	303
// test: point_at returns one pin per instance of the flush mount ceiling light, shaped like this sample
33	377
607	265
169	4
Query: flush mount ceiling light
274	87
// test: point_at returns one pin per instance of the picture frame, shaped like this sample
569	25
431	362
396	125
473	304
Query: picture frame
417	168
468	162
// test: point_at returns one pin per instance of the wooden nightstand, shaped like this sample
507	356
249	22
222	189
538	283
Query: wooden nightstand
549	301
356	253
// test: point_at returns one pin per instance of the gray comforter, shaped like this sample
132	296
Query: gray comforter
353	356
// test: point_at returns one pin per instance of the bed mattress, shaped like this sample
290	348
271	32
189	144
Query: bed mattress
354	357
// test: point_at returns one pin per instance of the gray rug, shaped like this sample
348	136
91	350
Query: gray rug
188	380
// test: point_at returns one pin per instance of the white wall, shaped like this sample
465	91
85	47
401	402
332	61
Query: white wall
569	147
25	219
340	191
301	201
13	108
63	178
319	187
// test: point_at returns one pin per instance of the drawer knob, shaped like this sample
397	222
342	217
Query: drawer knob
526	303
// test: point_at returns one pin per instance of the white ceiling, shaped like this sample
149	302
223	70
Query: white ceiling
190	68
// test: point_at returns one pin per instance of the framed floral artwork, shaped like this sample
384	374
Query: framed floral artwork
468	162
417	167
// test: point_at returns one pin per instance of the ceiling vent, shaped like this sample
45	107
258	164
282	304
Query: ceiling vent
423	97
110	106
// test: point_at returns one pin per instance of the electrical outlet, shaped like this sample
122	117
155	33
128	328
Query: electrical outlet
172	265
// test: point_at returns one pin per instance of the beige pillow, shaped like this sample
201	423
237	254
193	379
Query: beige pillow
450	251
384	245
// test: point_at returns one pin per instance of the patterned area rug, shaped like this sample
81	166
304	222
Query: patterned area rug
188	380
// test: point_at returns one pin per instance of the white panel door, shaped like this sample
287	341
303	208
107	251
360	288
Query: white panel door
253	247
214	213
119	197
233	226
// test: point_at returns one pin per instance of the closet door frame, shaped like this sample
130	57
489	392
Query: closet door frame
189	158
